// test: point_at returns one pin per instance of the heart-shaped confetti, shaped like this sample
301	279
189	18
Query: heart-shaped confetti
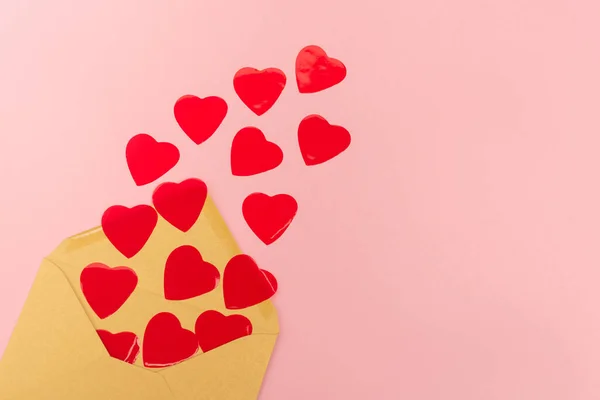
259	89
128	229
187	275
148	159
123	346
214	329
245	285
269	216
107	289
200	118
180	203
252	153
319	141
166	342
315	71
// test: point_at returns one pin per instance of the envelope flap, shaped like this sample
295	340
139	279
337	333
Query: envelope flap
53	337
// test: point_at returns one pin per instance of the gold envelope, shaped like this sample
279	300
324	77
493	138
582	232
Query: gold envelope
55	352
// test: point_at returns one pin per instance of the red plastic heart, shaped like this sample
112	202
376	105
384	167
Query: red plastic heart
259	89
315	71
269	217
107	289
214	329
180	203
245	285
252	153
319	141
123	346
128	229
166	342
148	159
187	275
200	118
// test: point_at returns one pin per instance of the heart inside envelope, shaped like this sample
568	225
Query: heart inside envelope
181	295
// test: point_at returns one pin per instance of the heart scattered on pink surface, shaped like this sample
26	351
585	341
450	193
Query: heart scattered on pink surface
315	71
319	141
148	159
200	118
252	153
269	216
259	89
180	203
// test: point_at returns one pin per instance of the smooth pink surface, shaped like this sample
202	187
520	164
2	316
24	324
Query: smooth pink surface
450	253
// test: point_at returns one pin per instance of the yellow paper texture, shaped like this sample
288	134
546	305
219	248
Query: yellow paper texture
55	353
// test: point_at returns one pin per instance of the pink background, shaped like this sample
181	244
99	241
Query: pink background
450	253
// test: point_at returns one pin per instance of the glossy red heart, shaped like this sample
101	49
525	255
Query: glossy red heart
107	289
180	203
269	217
187	275
214	329
166	342
128	229
148	159
123	346
319	141
199	118
245	285
252	153
315	71
259	89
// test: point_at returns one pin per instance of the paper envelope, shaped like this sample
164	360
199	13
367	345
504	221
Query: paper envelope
56	353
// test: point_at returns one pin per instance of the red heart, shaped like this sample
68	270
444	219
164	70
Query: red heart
107	289
180	203
252	153
245	285
319	141
128	229
187	275
269	217
148	159
214	329
259	90
315	71
166	342
200	118
123	346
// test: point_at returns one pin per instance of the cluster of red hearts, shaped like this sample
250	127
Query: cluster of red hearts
251	153
186	275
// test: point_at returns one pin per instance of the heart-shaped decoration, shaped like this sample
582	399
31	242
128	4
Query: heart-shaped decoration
187	275
180	203
259	89
252	153
148	159
315	71
319	141
269	217
107	289
245	285
128	229
199	118
166	342
123	346
214	329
